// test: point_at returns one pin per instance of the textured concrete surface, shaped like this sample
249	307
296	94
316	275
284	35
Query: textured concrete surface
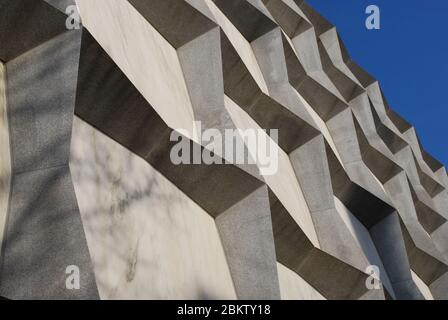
354	186
33	22
40	124
153	55
293	287
44	226
246	234
43	222
5	157
61	5
147	239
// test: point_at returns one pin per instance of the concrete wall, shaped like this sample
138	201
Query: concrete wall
5	160
154	68
146	238
86	177
43	221
293	287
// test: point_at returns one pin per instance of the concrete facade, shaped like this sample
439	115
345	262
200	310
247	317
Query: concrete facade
86	177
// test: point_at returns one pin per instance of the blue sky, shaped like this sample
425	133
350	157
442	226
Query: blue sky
408	55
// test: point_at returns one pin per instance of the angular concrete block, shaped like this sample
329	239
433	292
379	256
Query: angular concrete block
44	236
40	121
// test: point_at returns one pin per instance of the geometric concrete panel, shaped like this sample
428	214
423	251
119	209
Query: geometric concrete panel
45	227
176	20
147	239
127	118
40	125
61	5
389	243
331	277
293	287
93	122
33	22
246	234
5	157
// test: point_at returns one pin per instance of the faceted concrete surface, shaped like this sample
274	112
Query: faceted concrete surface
43	234
86	177
147	239
5	157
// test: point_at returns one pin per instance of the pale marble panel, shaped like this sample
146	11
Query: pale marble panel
260	6
364	241
283	182
443	178
308	53
293	287
5	157
424	289
307	50
147	239
374	93
411	138
322	127
241	45
147	59
331	43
